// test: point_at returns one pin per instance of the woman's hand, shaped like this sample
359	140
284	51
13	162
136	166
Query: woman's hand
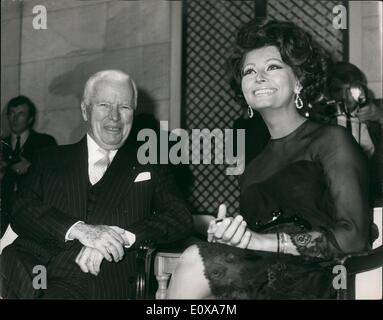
230	231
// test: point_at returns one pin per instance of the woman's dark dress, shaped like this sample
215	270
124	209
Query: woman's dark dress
317	172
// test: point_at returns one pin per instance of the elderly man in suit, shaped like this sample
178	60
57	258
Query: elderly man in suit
85	207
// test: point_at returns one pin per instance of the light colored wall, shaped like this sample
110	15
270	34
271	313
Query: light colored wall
83	37
10	54
365	20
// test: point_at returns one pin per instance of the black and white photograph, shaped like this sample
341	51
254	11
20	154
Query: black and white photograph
191	150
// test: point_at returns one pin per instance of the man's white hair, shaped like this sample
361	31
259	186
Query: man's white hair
113	75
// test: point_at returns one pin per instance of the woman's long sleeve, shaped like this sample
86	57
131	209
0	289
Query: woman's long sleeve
346	173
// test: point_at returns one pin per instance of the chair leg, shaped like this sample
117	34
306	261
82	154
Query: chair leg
162	285
349	292
341	294
351	287
143	260
140	281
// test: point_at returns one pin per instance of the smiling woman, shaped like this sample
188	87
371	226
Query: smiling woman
287	51
296	215
267	81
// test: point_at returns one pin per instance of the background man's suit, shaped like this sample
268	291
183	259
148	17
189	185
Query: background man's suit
33	144
57	193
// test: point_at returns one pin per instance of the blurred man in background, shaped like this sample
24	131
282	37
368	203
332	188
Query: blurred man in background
349	103
18	150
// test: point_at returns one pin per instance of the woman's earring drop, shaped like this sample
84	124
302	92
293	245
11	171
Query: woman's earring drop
298	101
250	112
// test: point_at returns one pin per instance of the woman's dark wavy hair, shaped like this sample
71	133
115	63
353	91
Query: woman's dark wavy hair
306	58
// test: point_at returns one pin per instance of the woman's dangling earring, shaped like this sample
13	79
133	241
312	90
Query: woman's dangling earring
298	101
250	112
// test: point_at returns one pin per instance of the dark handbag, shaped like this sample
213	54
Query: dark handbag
282	223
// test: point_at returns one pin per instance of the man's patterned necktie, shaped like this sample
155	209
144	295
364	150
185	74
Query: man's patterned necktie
99	167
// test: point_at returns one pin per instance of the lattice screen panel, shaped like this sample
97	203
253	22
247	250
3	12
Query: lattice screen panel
211	28
315	17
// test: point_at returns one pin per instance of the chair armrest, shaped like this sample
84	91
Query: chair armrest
365	261
143	259
144	256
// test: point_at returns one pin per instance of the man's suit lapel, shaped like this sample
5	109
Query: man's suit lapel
7	147
75	177
8	141
29	143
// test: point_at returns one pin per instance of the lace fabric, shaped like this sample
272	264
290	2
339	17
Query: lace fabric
244	274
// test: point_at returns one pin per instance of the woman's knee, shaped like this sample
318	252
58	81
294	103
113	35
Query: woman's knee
190	256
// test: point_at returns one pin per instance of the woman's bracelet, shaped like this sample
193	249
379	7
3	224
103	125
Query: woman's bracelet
282	243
